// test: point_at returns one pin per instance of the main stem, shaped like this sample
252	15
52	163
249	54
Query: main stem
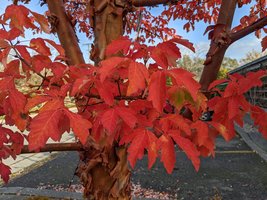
103	169
216	52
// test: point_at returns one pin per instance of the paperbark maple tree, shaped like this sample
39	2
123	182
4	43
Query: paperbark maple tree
132	100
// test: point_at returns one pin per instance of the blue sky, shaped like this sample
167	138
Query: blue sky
237	50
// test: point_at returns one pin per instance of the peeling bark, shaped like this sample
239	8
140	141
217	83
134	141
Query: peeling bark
104	172
217	50
103	168
108	25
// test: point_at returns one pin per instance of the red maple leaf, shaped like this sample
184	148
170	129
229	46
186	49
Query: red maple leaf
121	44
79	125
110	120
157	90
44	126
5	171
166	147
142	139
188	147
138	75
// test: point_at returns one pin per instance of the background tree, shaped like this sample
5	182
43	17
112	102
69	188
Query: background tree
251	56
195	65
124	105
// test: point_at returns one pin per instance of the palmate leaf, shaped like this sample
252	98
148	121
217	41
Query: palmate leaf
121	44
138	75
43	127
157	90
142	139
79	125
167	150
49	124
188	147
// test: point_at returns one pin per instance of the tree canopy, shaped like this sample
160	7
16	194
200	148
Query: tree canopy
134	97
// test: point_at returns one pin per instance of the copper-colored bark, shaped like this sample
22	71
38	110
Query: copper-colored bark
65	32
217	51
104	172
108	25
142	3
56	147
249	29
103	168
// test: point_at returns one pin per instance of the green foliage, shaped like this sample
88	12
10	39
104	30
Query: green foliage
195	65
223	73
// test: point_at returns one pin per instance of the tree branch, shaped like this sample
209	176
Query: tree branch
129	98
140	3
143	3
249	29
65	32
56	147
216	52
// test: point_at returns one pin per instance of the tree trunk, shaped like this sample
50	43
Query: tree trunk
103	169
218	45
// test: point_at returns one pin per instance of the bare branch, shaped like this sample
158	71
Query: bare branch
249	29
143	3
65	32
140	3
56	147
129	98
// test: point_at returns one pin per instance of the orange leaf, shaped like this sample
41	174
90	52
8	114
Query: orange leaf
41	19
79	125
110	120
43	127
138	74
108	65
142	139
167	152
121	44
39	45
202	132
188	147
127	115
184	42
157	90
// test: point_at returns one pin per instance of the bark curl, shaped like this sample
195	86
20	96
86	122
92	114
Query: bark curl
104	172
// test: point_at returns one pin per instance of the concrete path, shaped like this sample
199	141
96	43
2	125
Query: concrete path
21	193
25	162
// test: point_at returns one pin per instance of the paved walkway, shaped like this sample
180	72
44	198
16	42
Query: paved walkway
21	193
25	162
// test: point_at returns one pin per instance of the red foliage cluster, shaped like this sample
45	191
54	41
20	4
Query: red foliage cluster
135	100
